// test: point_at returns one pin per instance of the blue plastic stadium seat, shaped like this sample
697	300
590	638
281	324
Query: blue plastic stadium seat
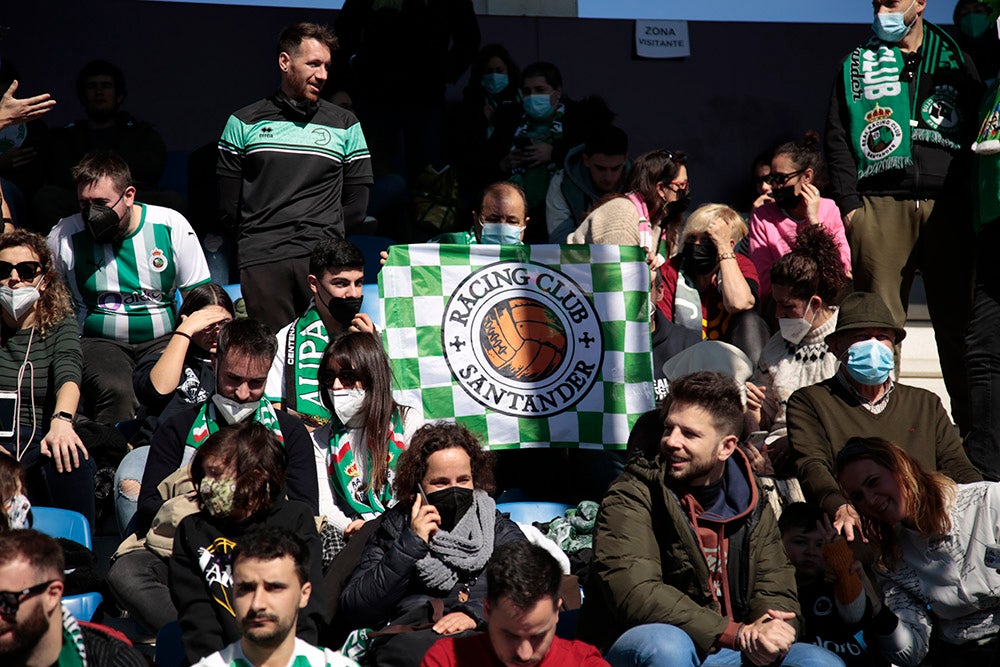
62	523
531	512
235	291
370	305
370	247
169	649
83	606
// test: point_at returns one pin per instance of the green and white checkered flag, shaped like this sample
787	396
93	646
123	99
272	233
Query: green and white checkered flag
527	346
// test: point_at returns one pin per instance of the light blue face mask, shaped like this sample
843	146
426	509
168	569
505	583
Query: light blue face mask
494	82
538	106
869	362
891	27
501	233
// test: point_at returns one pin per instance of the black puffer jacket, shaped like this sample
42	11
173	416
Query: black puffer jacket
386	585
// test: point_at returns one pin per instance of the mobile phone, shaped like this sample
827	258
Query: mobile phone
8	413
423	496
756	439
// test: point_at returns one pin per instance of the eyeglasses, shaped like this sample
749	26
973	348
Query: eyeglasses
25	270
10	601
348	377
778	180
679	186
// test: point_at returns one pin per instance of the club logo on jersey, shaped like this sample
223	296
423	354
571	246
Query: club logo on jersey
157	260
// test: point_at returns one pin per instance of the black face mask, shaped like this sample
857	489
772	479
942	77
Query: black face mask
452	504
699	259
102	222
343	308
786	198
678	206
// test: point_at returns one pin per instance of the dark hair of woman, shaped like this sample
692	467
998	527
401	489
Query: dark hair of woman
805	154
363	354
927	494
54	304
812	267
651	168
259	461
431	438
201	296
494	51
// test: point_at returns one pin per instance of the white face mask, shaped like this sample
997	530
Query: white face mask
794	329
17	511
232	411
346	403
18	301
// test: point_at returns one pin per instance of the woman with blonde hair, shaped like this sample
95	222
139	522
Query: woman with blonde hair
711	288
940	586
40	368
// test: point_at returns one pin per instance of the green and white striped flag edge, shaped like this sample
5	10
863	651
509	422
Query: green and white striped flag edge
417	283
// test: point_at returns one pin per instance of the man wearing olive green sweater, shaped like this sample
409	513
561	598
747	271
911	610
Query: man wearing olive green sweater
862	400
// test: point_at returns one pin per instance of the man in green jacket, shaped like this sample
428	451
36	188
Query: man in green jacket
688	563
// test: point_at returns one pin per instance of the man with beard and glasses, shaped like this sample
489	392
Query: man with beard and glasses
242	359
35	629
689	567
123	262
336	279
270	585
293	170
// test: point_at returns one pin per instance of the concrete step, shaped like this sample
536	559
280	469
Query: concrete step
919	365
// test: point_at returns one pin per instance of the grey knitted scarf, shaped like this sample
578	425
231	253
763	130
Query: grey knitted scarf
464	550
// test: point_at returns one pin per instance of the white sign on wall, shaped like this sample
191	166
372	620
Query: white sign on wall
662	39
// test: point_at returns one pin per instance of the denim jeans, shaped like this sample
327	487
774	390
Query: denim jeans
131	468
662	645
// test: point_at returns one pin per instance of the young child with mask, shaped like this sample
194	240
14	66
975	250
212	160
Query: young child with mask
795	202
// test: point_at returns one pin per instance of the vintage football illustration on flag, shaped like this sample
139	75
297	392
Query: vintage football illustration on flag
527	346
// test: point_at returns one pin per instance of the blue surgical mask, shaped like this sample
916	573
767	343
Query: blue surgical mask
501	233
869	362
494	82
891	27
538	106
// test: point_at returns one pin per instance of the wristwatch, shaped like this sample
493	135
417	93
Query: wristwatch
65	416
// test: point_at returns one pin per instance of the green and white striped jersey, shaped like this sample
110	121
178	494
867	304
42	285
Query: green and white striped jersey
125	291
306	655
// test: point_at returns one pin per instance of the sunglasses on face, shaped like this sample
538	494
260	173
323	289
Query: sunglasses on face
777	179
347	376
25	270
10	601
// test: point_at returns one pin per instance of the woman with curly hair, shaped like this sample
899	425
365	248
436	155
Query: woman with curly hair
807	284
426	562
941	591
40	368
794	203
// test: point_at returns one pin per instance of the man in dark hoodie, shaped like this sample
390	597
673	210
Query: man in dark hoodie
688	563
591	171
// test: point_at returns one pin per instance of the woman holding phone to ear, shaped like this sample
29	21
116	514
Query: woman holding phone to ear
40	366
425	564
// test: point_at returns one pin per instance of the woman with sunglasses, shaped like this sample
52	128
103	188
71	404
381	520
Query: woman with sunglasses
937	556
40	367
358	449
649	215
794	201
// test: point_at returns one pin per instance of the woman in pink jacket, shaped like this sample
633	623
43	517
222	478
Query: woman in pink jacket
796	173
